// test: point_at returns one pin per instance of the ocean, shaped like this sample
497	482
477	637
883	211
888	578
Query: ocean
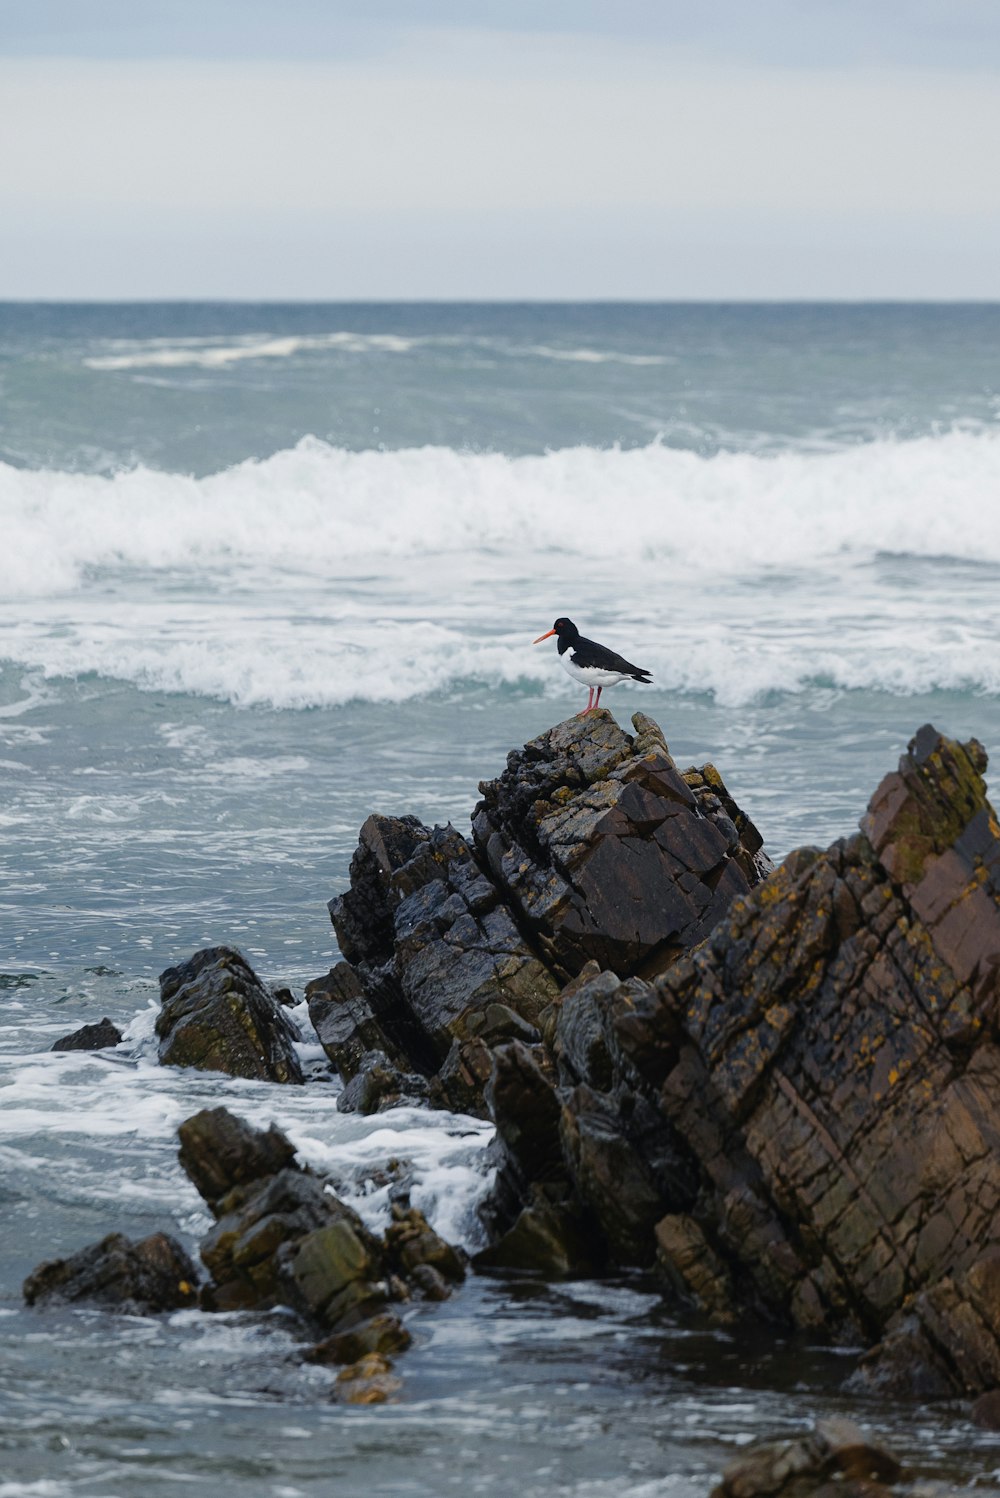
266	569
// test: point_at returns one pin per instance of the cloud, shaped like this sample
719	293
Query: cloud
466	144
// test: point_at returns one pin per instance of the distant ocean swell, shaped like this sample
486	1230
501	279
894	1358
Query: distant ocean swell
312	577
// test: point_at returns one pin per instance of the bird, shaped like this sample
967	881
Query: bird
595	665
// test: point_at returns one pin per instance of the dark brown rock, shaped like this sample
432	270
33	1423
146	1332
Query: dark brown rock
836	1452
605	852
218	1016
90	1037
220	1152
827	1061
377	1085
117	1274
591	845
430	945
410	1242
985	1411
383	1334
282	1238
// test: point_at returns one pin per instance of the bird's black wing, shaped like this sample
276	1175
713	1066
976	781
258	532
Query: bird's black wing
589	653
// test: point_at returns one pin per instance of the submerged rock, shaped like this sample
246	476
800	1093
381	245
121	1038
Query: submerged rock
218	1016
90	1037
368	1381
135	1278
834	1458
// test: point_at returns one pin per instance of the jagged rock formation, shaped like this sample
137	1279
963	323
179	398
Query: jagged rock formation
282	1238
800	1115
590	845
783	1091
606	853
218	1016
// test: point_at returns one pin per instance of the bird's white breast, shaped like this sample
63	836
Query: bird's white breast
591	676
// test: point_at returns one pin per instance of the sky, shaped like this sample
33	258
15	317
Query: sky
473	149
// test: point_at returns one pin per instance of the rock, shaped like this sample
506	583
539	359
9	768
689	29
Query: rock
218	1016
837	1451
220	1152
134	1278
342	1017
827	1060
605	852
434	956
383	1334
695	1269
282	1237
411	1242
550	1236
591	845
368	1381
90	1037
796	1117
377	1085
986	1410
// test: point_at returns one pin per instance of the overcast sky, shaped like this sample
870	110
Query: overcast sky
474	149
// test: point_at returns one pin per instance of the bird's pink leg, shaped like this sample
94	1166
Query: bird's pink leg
590	700
599	691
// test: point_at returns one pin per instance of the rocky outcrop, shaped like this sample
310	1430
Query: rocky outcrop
282	1238
590	846
798	1117
96	1037
216	1015
134	1278
607	853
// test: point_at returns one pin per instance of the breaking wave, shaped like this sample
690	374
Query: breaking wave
318	507
320	575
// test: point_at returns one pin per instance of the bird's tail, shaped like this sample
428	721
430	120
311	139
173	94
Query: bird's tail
643	676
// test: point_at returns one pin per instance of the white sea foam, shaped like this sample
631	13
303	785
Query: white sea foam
216	353
319	575
315	505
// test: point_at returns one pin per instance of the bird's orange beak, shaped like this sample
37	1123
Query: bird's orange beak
543	637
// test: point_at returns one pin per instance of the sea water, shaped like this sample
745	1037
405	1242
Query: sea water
265	569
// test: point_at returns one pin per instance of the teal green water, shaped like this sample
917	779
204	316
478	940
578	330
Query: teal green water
266	569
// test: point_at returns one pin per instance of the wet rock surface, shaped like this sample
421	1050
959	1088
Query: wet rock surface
798	1117
281	1237
591	846
134	1278
606	852
217	1015
778	1089
97	1037
836	1457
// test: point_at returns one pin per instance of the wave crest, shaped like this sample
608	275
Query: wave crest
319	509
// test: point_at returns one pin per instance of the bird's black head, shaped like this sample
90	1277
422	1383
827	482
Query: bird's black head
565	629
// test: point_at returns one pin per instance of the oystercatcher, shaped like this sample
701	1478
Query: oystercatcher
595	665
